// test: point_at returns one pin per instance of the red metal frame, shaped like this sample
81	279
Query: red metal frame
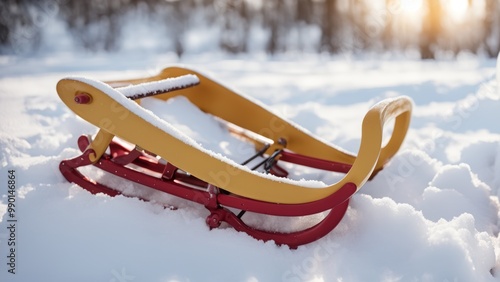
180	184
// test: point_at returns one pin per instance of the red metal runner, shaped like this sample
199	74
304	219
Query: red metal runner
175	182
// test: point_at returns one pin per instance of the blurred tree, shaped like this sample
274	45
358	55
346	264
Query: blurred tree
363	25
277	20
491	23
235	25
391	7
304	13
95	24
20	25
176	15
372	25
330	25
431	29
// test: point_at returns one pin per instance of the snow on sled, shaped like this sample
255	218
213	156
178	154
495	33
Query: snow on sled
166	159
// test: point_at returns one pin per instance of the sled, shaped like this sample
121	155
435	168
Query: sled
166	160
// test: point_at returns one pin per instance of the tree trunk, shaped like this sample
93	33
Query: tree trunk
492	20
329	27
431	29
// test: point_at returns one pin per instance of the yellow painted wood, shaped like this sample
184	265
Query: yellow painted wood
99	144
220	101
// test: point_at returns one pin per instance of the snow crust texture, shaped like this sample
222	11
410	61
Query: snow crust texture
432	214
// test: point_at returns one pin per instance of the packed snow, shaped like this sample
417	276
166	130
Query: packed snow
432	214
160	86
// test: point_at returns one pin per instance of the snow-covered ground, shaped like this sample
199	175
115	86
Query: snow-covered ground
431	215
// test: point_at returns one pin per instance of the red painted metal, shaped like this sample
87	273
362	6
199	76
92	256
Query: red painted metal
335	199
292	239
277	170
169	171
172	180
291	157
69	171
83	98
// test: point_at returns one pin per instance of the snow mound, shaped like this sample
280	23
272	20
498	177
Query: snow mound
464	194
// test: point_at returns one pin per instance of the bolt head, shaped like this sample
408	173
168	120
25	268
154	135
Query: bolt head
83	98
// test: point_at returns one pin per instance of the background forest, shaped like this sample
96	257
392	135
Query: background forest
424	27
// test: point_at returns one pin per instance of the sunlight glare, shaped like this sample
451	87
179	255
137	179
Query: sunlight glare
457	8
411	6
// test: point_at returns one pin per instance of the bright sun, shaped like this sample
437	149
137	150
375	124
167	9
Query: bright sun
454	8
411	6
457	8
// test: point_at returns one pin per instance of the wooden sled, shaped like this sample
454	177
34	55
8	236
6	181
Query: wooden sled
194	173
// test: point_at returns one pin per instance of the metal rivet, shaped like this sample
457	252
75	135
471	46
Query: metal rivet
83	98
